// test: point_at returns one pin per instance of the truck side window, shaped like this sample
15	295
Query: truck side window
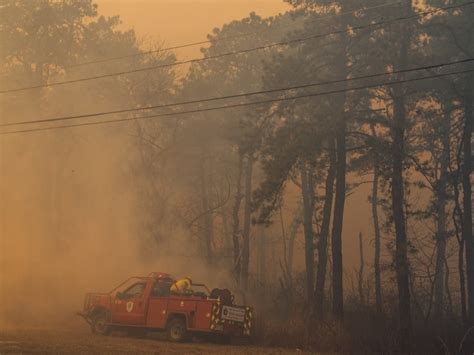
161	289
134	290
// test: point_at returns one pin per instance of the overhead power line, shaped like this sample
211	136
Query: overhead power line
222	39
288	98
253	93
232	53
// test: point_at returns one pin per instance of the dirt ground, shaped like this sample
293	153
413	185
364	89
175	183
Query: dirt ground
16	340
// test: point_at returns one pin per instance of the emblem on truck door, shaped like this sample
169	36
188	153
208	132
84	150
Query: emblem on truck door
129	306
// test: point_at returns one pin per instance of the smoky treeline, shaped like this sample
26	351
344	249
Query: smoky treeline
244	162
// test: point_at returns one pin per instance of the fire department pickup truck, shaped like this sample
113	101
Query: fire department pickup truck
145	303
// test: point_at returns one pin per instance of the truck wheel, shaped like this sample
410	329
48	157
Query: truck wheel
177	331
99	324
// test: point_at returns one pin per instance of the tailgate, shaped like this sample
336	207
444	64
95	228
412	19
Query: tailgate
231	318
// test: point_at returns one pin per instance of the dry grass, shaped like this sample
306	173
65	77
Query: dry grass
363	333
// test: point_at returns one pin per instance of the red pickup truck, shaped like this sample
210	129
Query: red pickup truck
145	303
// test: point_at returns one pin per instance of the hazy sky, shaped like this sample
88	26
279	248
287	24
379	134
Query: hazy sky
182	21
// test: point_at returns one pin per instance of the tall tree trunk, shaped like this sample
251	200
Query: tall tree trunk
295	225
448	290
324	235
458	217
235	219
438	287
246	231
308	204
261	266
207	216
361	270
401	255
441	198
341	63
377	242
337	271
467	196
398	155
227	237
261	252
462	283
286	281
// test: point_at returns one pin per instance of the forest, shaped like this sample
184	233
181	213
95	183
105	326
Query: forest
252	160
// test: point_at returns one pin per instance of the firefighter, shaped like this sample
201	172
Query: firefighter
182	287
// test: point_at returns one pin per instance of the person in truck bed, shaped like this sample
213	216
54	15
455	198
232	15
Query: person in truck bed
182	287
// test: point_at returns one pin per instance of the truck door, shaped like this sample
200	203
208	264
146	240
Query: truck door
158	304
129	307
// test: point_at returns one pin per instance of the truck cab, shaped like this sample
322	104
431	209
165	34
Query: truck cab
146	303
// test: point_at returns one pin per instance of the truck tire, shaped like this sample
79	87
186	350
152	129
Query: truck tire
99	324
176	329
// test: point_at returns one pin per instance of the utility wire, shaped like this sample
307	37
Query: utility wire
248	50
222	39
295	97
261	92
